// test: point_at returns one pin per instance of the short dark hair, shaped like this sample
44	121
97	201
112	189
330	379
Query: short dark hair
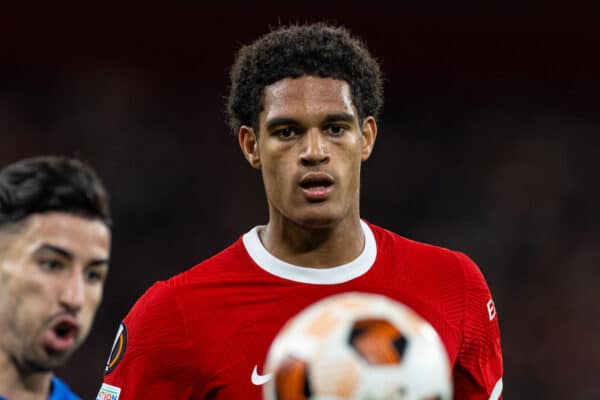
51	183
293	51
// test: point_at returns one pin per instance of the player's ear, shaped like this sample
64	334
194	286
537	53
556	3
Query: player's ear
249	145
369	134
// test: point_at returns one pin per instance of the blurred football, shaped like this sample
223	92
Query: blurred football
358	346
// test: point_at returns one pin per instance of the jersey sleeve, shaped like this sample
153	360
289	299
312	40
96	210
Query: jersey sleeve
151	353
478	369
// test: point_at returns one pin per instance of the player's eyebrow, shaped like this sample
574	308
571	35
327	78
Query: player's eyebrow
340	117
67	254
281	121
99	262
55	249
337	117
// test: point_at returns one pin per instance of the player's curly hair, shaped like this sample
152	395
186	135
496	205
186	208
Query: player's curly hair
293	51
51	183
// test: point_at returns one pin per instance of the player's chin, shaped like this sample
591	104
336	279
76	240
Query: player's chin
318	220
46	362
51	359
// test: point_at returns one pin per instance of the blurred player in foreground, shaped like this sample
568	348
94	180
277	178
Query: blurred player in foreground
304	102
54	249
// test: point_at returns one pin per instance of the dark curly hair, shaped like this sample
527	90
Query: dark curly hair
293	51
51	183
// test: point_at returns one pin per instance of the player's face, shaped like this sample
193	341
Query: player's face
309	148
52	273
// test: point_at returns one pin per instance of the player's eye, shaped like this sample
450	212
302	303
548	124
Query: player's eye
286	133
50	265
93	276
336	130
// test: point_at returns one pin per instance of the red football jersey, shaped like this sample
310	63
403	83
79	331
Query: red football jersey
205	333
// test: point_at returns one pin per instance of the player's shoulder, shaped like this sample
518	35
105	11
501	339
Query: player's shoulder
158	318
423	254
213	268
390	241
157	300
205	272
60	391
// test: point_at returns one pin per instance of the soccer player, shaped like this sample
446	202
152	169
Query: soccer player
304	102
54	249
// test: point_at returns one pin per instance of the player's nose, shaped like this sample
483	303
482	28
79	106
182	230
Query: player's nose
315	150
73	292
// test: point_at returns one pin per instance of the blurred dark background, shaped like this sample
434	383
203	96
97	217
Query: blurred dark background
488	143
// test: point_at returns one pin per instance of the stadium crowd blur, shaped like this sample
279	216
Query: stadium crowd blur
488	143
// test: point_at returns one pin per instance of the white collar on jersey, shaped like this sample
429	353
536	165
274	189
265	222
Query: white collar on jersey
318	276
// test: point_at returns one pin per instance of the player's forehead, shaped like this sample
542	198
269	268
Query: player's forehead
307	96
82	237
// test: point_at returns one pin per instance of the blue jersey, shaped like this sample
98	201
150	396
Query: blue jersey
58	391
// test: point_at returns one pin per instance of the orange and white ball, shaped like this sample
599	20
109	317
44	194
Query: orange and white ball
358	346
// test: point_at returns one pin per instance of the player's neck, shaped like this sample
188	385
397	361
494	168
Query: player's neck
17	384
316	248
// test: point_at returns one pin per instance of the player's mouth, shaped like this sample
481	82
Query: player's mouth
62	334
316	186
